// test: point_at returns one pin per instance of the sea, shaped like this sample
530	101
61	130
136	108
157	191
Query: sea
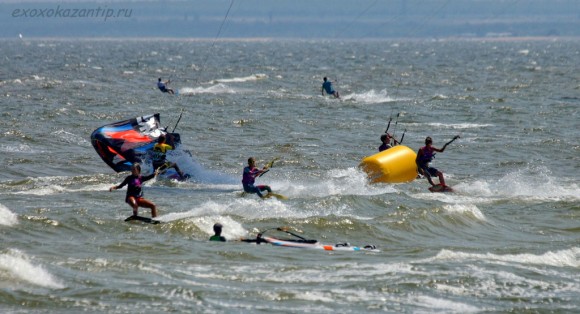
506	241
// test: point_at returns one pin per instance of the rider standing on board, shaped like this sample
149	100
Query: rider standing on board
425	155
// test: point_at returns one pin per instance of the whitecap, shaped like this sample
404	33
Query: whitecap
18	148
7	218
563	258
527	184
215	89
465	209
253	77
370	97
443	305
18	265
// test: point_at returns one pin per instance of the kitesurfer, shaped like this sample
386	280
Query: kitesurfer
163	86
134	195
386	140
159	156
249	177
425	155
217	229
327	86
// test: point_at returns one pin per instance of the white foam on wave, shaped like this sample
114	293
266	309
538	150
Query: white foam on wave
563	258
527	184
439	97
370	97
14	264
69	137
18	148
253	77
7	218
349	181
199	173
46	186
453	126
44	190
443	305
465	209
250	206
337	182
214	89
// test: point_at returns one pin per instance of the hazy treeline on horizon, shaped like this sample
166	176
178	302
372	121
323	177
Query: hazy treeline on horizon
292	19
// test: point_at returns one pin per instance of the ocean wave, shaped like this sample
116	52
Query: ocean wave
370	97
215	89
253	77
453	126
7	218
527	184
14	264
563	258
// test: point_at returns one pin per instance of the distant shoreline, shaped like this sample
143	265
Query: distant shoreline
272	39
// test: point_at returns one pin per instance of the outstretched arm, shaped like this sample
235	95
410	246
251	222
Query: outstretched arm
116	187
257	172
454	138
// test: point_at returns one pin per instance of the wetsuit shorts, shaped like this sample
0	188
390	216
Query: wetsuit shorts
136	200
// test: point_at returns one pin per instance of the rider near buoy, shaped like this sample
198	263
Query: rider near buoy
425	155
386	142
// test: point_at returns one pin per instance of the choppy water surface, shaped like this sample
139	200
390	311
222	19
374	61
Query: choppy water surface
507	240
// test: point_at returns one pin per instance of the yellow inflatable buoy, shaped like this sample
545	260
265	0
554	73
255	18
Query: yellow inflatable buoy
394	165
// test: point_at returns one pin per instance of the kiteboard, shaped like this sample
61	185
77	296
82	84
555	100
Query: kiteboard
300	242
142	219
440	188
269	195
276	195
313	244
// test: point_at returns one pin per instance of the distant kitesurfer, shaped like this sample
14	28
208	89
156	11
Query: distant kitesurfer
425	155
134	195
386	142
159	157
163	86
327	86
217	229
249	177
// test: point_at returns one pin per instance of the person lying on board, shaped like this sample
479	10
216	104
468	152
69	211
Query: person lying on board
249	178
327	86
159	157
217	229
134	196
425	155
163	86
386	142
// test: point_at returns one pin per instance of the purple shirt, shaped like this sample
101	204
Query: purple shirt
134	184
249	175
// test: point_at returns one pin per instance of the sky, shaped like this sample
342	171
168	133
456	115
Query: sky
305	19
